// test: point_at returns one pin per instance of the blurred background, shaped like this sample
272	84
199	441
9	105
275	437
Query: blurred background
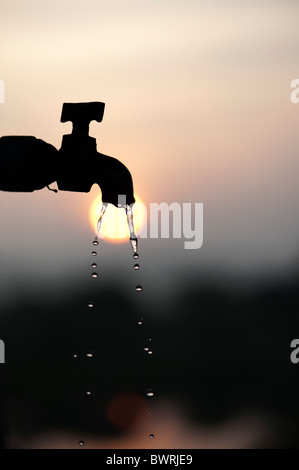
198	108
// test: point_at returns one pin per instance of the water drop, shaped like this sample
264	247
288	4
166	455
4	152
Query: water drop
95	242
134	245
75	355
90	304
150	392
89	354
94	265
140	321
81	443
139	288
146	348
133	238
94	253
104	207
94	275
136	266
89	393
151	436
150	352
136	256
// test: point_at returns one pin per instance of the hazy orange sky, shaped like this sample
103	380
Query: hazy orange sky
197	106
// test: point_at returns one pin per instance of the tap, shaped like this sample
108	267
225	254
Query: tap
29	164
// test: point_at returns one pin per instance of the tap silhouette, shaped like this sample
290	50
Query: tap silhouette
29	164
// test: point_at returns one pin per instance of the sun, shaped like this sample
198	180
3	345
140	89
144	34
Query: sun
114	227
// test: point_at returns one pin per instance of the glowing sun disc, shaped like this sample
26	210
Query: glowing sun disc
114	227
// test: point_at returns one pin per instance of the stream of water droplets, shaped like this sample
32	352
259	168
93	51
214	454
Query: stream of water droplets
134	245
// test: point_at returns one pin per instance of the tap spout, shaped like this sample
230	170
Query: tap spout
115	181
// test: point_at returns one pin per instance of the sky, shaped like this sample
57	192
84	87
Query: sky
197	107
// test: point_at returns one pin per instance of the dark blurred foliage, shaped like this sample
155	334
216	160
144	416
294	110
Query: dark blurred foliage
217	353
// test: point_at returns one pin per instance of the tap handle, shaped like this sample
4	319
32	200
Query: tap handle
81	114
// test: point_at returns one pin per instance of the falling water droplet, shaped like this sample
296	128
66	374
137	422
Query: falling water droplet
104	207
136	256
139	288
94	275
150	352
146	348
134	244
88	393
133	238
94	253
95	242
136	266
90	304
81	443
75	355
140	321
89	354
151	436
94	265
150	392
